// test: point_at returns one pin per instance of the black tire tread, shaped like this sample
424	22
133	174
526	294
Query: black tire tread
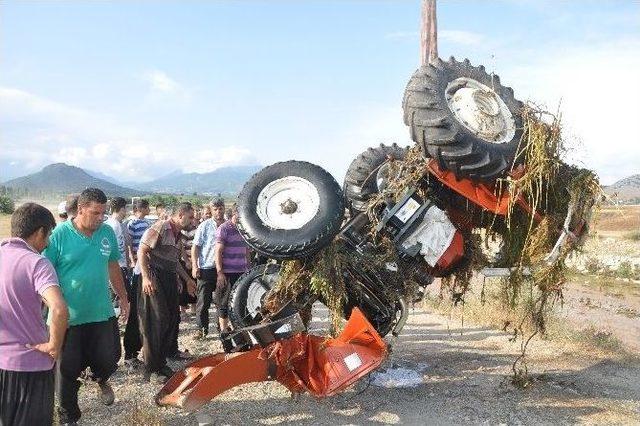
236	316
434	128
301	247
358	187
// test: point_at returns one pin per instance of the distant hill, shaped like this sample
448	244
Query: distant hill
108	178
60	178
627	189
225	180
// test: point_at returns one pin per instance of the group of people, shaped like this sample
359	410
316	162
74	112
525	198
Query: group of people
75	268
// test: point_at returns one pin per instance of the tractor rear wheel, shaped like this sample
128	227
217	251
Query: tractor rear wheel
464	118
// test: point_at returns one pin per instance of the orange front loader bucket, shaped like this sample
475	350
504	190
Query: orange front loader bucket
318	365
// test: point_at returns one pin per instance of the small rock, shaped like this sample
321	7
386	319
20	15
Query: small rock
204	419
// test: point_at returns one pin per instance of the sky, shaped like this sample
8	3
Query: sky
139	89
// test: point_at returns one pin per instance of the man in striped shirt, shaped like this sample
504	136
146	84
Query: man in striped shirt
232	260
137	226
132	341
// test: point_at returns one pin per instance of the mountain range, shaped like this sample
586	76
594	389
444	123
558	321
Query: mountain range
60	178
625	189
225	180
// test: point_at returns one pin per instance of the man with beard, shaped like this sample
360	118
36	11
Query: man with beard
84	252
158	310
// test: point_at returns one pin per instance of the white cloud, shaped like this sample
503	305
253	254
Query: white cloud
598	89
161	84
210	159
73	155
101	151
37	131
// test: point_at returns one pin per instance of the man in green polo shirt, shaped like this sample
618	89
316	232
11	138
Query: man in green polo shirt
84	252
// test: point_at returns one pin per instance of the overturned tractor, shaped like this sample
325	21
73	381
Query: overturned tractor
483	164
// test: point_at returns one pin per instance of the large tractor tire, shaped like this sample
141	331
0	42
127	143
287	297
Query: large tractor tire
248	294
290	210
368	173
464	118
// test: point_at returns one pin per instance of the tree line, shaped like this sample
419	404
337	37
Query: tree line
8	195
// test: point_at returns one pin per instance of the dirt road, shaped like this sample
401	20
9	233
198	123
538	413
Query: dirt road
465	380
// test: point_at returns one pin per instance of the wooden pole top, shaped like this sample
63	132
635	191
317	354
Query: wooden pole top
428	33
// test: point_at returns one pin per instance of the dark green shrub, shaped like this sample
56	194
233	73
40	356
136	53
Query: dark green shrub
6	205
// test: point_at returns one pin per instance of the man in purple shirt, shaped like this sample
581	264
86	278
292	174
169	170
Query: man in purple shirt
232	260
27	350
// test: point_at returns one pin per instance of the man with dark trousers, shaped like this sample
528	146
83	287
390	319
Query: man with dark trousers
203	265
232	260
84	252
158	300
132	340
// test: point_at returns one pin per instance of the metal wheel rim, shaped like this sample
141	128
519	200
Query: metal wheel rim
382	176
288	203
480	110
255	294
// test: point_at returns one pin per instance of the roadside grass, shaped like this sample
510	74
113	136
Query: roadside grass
612	284
597	269
143	415
490	312
618	222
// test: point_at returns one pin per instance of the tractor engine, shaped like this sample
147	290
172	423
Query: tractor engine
419	230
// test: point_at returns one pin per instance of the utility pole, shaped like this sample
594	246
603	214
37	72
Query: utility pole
428	33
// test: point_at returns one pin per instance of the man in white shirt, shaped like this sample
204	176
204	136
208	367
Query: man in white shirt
118	209
203	264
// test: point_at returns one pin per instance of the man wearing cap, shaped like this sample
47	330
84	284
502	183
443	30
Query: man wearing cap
62	211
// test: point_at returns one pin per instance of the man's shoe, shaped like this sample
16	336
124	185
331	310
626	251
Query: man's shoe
106	393
132	364
180	356
166	371
154	378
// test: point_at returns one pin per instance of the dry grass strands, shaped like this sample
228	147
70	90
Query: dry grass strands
553	189
319	277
